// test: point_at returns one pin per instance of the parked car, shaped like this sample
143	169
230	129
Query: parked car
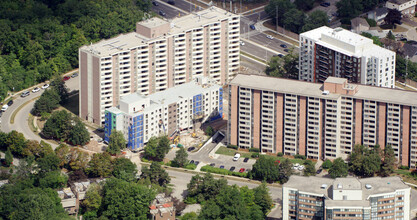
286	50
283	46
24	94
325	4
4	108
212	164
242	170
36	90
236	157
232	168
196	162
171	2
242	43
269	37
319	171
252	27
245	160
190	149
155	3
9	103
45	86
66	78
301	167
191	161
162	13
74	75
221	167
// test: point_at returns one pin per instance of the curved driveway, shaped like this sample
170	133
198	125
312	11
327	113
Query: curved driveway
21	119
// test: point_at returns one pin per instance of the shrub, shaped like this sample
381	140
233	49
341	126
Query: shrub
252	149
371	22
190	200
232	146
190	166
327	164
402	167
280	154
298	156
244	174
254	155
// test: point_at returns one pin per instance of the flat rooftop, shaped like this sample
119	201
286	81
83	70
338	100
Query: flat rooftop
309	89
316	186
128	41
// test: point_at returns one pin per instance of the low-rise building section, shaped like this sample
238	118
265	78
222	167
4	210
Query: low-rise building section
320	120
406	7
345	198
162	208
167	112
68	200
161	54
326	52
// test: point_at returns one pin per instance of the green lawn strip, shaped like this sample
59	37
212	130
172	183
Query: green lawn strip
19	108
221	171
253	57
232	152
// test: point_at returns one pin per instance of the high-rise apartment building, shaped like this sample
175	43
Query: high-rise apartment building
161	54
345	198
320	120
340	53
141	117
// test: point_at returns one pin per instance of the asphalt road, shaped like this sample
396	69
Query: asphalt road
169	11
21	119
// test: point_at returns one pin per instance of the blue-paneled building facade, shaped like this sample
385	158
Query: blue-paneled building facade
141	117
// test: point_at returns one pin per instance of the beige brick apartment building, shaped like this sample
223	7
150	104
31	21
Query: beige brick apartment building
345	198
159	55
320	120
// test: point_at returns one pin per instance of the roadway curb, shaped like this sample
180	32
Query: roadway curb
261	46
250	58
20	108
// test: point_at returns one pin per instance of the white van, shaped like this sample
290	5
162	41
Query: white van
236	157
4	108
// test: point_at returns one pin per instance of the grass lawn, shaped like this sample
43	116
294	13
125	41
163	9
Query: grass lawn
406	176
232	152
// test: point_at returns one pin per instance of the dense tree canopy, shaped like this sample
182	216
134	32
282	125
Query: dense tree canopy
116	143
40	39
364	161
181	158
339	168
285	67
157	148
156	174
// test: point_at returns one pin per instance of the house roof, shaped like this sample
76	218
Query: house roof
398	2
410	50
359	21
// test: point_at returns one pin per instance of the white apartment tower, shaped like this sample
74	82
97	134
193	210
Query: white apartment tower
340	53
161	54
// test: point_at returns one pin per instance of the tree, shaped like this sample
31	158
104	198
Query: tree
116	143
285	67
309	170
157	148
294	20
19	201
180	159
263	198
37	149
48	101
58	126
338	169
390	35
53	179
79	134
315	20
125	200
156	174
203	188
93	198
327	164
265	169
100	165
285	171
8	158
123	168
278	7
209	131
61	88
365	162
393	17
349	9
304	5
48	163
210	211
389	161
16	142
374	38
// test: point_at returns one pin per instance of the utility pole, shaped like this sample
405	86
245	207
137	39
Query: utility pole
276	11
